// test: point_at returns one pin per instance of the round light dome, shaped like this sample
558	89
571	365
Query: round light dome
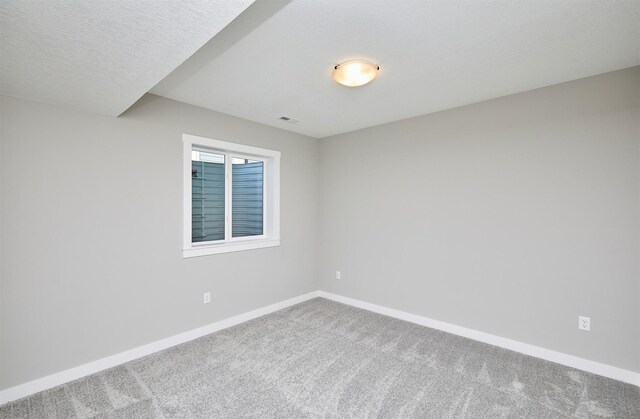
355	73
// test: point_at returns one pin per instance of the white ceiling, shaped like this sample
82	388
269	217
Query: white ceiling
276	58
101	55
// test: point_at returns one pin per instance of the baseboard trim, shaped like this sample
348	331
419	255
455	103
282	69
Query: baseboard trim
50	381
44	383
524	348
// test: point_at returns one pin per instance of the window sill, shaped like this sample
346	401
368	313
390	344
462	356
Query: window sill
213	249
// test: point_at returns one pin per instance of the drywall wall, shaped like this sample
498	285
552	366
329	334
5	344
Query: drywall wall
1	252
92	232
512	216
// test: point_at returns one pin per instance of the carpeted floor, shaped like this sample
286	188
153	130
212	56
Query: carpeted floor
324	359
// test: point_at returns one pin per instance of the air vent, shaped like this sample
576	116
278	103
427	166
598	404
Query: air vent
288	120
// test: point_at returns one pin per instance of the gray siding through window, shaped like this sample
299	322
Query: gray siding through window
247	202
207	200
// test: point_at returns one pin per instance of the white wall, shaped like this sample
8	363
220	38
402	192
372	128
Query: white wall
92	232
511	216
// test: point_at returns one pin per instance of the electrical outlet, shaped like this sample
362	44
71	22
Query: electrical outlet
584	323
338	275
207	297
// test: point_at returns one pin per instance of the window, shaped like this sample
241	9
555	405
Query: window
231	197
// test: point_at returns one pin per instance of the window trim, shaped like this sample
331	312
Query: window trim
271	197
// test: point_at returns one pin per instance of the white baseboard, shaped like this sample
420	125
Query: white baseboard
524	348
71	374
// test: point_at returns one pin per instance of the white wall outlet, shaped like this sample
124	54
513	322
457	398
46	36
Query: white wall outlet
207	297
584	323
338	275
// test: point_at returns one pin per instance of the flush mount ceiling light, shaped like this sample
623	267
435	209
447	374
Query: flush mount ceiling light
355	73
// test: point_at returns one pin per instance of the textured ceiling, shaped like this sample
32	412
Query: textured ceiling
276	58
101	55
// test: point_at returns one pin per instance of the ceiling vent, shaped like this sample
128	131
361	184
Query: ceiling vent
288	120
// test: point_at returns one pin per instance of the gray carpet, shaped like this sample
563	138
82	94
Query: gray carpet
324	359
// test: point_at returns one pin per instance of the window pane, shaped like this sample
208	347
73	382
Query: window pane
247	197
207	197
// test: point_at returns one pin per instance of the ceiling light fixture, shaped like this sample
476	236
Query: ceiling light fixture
355	73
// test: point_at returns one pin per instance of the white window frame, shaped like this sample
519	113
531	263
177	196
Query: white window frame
271	196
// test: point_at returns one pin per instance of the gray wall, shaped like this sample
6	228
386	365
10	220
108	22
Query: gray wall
92	232
511	216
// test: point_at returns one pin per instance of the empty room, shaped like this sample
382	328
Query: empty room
320	209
